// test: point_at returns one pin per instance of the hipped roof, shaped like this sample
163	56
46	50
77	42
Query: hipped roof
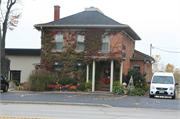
89	19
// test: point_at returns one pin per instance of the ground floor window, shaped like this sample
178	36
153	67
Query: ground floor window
15	75
137	67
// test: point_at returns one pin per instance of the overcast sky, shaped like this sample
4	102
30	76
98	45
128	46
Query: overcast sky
157	22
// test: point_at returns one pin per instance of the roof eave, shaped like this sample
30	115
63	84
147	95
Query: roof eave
136	37
85	26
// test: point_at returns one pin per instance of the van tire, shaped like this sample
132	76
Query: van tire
5	89
174	96
151	96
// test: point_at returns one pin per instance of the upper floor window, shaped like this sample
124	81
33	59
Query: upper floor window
137	67
58	39
80	42
105	43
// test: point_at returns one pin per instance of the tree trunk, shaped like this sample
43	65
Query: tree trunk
5	67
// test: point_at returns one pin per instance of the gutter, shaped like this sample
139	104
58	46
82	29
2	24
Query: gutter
102	26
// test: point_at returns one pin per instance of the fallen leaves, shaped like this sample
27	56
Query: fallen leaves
103	99
136	103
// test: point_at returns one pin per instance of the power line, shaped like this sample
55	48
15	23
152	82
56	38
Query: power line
165	50
159	47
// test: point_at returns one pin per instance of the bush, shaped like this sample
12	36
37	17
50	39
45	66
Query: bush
65	87
67	80
88	85
25	86
73	88
116	83
146	88
71	84
118	89
117	74
40	79
137	91
138	78
82	86
77	87
51	86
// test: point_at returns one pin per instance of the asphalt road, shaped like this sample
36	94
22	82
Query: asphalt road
89	98
82	112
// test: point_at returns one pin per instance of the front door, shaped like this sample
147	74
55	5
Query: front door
105	79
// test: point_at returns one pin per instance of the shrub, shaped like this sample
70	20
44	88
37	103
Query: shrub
146	88
71	84
88	85
58	86
82	86
137	91
116	83
138	78
77	87
118	89
51	86
40	79
25	86
140	91
73	88
65	87
67	80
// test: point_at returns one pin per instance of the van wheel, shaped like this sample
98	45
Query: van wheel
174	96
5	89
151	96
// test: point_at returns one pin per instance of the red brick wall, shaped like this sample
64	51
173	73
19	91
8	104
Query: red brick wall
116	43
129	52
148	71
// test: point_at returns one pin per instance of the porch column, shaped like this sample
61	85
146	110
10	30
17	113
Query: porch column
111	79
87	73
121	71
93	76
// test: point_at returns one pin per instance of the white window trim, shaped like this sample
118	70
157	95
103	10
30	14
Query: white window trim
54	50
105	51
77	44
136	66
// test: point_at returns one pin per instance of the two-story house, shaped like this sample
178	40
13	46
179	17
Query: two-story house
91	46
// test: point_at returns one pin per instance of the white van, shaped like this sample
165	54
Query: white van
163	84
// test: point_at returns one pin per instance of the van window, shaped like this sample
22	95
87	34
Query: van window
163	79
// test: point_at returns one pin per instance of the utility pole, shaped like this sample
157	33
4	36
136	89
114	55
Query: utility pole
0	49
150	49
0	44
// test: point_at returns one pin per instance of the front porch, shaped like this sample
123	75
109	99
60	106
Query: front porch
107	72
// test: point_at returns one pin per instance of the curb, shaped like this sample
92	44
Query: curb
103	93
56	103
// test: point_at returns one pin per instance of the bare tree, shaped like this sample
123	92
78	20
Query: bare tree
9	21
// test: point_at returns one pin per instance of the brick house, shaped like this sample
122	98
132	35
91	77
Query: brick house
91	46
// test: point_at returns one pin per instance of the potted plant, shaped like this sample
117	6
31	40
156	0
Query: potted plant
126	90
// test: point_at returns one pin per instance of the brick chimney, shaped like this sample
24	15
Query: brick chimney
56	12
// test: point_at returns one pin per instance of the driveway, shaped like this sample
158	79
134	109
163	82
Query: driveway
90	98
